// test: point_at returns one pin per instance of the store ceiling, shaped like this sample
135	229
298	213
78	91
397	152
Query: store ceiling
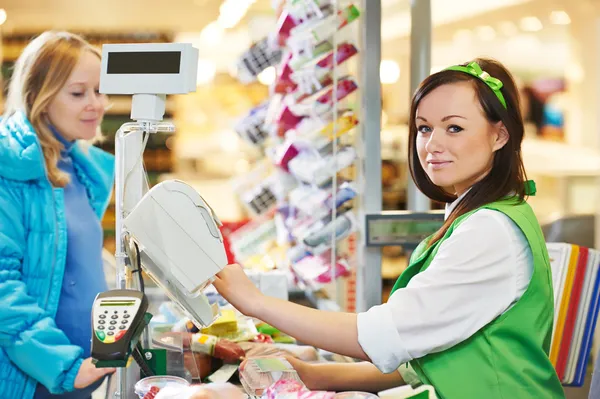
189	17
24	16
192	15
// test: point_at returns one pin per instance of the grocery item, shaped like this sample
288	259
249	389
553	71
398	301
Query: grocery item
291	389
355	395
151	394
226	323
211	345
228	351
156	383
256	375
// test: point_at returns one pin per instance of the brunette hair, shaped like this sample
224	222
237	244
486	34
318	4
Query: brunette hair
40	72
507	174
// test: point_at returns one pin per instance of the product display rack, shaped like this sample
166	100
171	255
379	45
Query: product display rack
321	172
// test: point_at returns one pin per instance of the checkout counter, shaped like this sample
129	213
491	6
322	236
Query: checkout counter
170	331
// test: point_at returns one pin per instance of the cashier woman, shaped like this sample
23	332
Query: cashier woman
472	314
53	192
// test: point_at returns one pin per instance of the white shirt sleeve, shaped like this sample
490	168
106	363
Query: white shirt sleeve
479	272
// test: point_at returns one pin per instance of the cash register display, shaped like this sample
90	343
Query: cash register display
401	231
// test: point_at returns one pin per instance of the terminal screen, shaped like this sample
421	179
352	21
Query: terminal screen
143	62
401	231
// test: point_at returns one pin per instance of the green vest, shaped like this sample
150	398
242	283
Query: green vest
508	358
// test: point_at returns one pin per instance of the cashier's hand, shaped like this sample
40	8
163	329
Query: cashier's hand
233	284
88	374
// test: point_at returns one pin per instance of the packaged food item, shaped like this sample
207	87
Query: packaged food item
156	383
199	365
217	347
355	395
151	394
258	374
228	351
283	387
291	389
211	345
226	323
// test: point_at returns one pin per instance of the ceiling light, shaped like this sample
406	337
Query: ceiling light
508	28
560	18
389	71
485	33
463	35
206	71
212	34
574	73
2	16
531	24
267	77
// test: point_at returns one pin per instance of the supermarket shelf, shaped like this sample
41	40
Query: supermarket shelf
315	298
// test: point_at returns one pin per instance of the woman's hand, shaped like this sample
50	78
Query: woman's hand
306	372
233	284
88	374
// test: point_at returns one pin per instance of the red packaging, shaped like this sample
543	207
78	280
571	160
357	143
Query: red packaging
344	52
345	86
152	393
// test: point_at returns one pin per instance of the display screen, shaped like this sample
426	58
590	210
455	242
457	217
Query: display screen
117	303
401	231
140	62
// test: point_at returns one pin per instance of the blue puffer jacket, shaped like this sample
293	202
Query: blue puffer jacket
33	246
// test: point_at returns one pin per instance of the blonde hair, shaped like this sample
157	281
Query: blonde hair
40	72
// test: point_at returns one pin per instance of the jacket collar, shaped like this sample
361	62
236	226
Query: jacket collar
21	156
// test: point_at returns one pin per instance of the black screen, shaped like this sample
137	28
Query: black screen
154	62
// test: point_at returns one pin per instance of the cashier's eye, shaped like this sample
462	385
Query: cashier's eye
455	129
423	129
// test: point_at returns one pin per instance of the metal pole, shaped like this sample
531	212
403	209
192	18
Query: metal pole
420	66
368	279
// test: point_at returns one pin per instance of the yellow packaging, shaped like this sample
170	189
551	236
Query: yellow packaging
225	324
344	124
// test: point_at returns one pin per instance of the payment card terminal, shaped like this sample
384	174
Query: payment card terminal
118	319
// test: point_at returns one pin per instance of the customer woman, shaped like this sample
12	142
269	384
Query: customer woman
54	190
472	314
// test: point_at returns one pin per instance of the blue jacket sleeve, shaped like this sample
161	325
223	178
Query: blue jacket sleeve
28	335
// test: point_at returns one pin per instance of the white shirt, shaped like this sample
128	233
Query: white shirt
479	272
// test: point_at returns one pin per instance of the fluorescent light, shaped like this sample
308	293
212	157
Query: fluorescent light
531	24
212	34
206	71
463	35
267	77
574	73
508	28
231	12
229	141
485	33
560	18
389	71
2	16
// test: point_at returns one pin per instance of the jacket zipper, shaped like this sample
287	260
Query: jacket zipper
54	205
55	242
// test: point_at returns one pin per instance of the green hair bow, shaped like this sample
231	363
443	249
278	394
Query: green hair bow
474	69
